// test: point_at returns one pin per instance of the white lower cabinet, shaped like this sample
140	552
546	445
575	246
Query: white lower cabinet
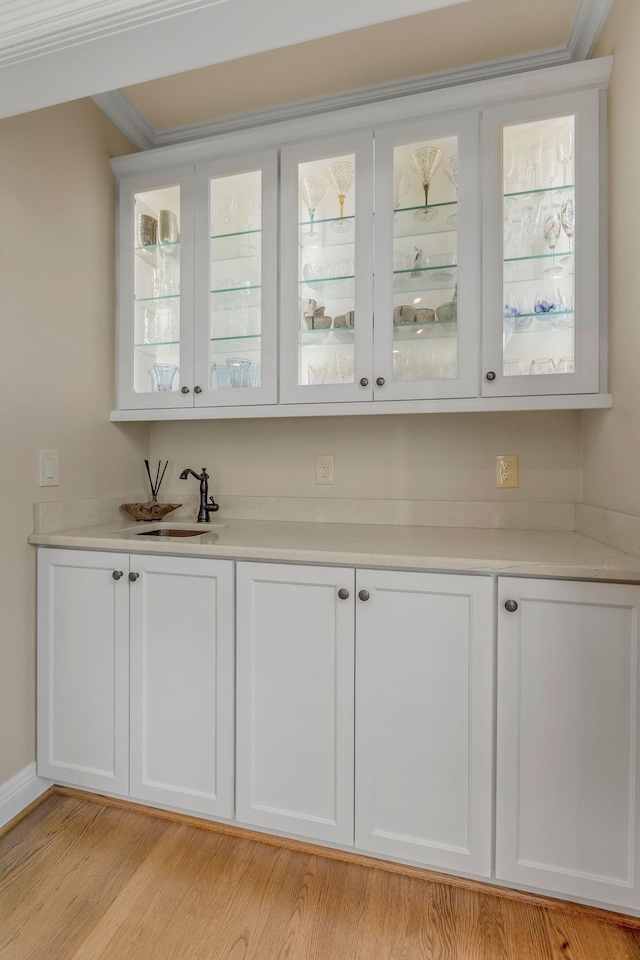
294	661
424	718
146	638
364	710
83	668
568	758
182	670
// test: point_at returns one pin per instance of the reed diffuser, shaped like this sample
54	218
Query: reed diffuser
152	510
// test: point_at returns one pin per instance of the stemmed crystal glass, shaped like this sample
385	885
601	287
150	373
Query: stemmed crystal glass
450	167
401	184
312	190
549	167
534	157
551	230
524	171
565	151
341	175
568	221
426	162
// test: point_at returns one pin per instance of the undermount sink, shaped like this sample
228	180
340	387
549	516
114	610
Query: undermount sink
174	530
171	533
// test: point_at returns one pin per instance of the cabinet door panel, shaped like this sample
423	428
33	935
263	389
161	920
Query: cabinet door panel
424	718
567	732
83	650
182	683
295	700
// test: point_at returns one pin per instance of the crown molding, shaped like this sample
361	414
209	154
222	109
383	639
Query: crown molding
122	112
590	17
31	28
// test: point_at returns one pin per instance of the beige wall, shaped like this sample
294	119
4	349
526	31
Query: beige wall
612	437
57	197
417	457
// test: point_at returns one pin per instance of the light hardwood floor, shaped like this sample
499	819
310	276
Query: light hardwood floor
83	881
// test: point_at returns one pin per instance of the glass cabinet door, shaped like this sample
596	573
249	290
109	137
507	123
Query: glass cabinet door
236	331
541	292
326	279
155	253
426	337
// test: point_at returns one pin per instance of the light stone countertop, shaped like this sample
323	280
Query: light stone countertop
486	551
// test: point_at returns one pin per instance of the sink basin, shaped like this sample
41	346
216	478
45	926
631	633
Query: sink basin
171	533
175	529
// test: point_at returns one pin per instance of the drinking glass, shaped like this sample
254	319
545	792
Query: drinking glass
401	185
509	165
238	367
548	299
426	162
565	151
228	204
551	230
341	175
531	221
162	377
523	173
219	376
344	367
513	368
568	221
318	371
312	190
542	365
450	167
565	365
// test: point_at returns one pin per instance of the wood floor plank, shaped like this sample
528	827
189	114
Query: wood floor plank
84	881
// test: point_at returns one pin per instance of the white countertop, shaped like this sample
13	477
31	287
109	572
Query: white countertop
513	552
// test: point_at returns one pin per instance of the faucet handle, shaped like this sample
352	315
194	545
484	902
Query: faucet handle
214	506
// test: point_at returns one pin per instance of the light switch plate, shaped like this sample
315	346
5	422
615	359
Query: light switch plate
49	474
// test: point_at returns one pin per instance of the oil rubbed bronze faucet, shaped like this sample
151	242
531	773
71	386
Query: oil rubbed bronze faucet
205	507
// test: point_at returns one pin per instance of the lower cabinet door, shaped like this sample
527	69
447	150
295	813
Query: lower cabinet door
424	718
295	699
83	668
568	745
182	683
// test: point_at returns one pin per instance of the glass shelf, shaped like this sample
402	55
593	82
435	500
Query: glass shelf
149	252
542	190
518	269
236	233
406	225
317	223
242	339
428	279
424	331
170	296
335	336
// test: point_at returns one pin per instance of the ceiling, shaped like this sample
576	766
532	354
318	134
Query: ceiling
57	50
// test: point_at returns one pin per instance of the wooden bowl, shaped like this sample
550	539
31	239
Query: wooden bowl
149	511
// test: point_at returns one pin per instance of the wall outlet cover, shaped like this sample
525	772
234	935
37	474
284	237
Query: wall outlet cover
507	470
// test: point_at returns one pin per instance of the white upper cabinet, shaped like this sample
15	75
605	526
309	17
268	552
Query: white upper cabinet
155	290
541	247
427	269
326	320
443	254
236	281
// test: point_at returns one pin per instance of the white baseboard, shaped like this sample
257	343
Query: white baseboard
20	791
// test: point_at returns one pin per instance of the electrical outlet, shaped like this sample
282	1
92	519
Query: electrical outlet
324	468
507	470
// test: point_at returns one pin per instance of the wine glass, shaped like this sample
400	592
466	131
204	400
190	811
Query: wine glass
509	165
401	185
341	175
550	167
551	230
568	221
531	220
542	365
524	171
564	150
426	162
312	190
450	167
228	205
534	157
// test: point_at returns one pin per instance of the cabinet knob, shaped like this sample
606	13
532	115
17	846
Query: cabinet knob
117	574
364	594
133	577
184	389
380	381
490	375
197	389
511	606
343	594
364	382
